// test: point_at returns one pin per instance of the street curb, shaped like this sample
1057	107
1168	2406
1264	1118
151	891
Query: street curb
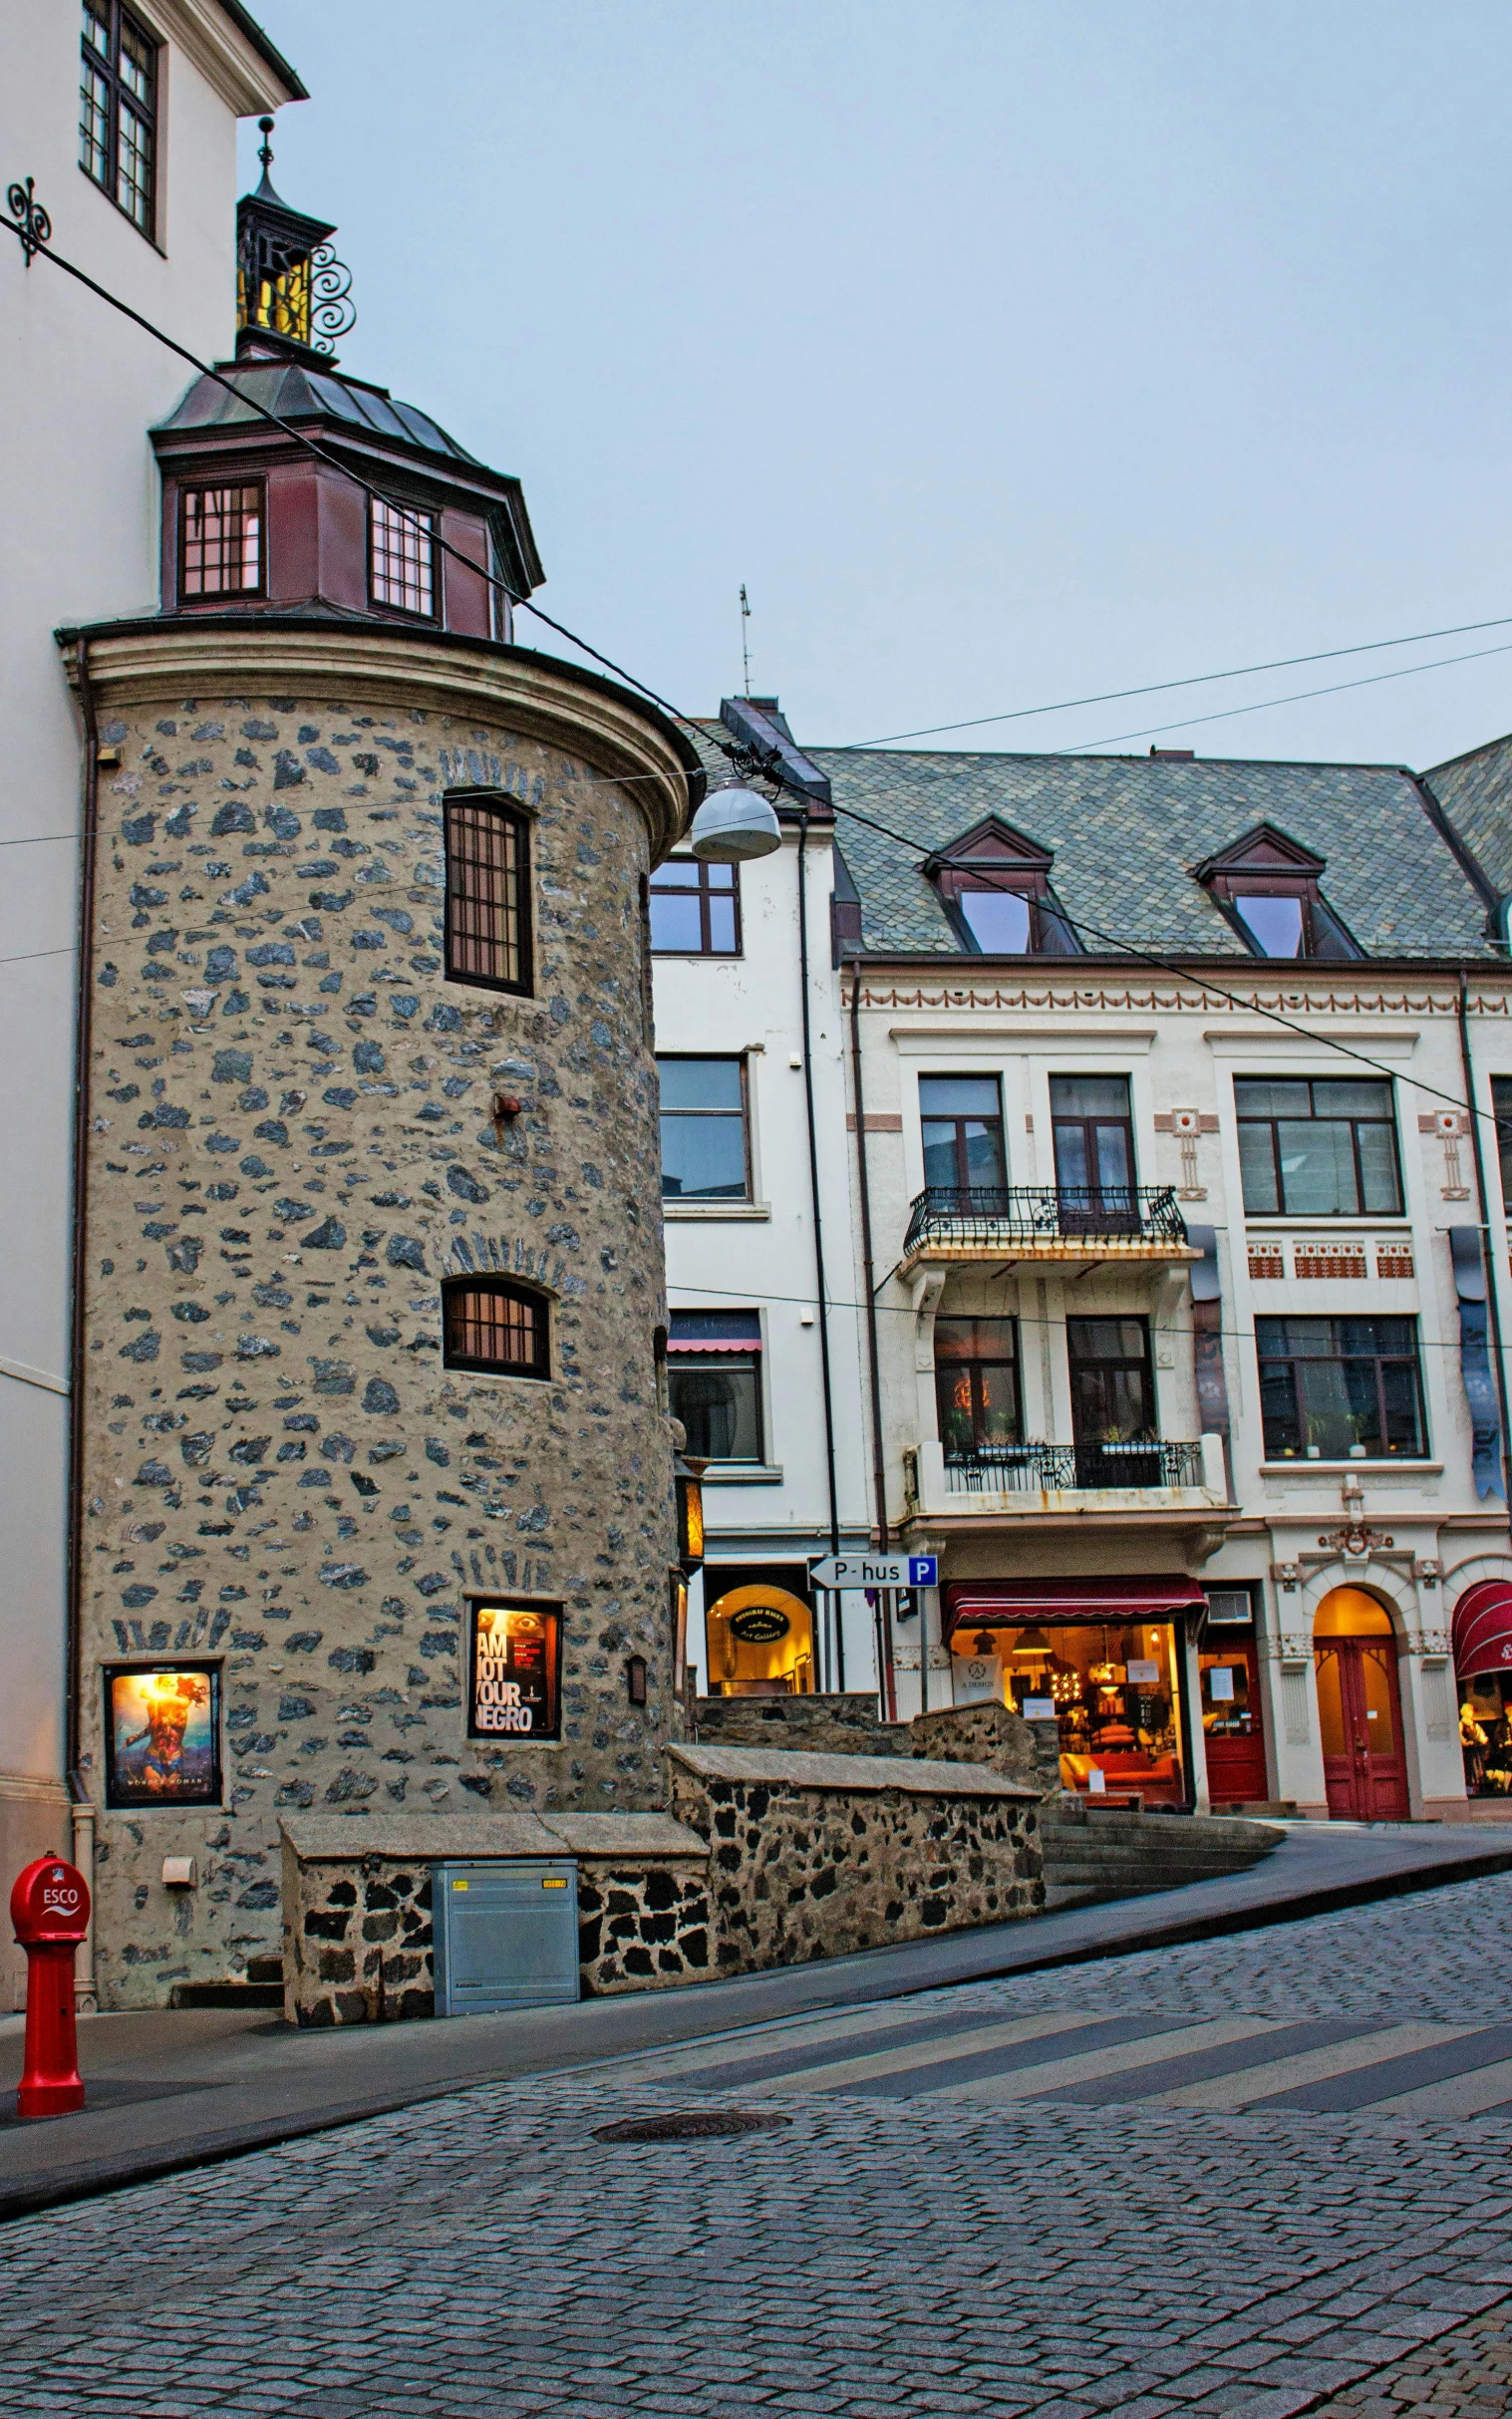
92	2178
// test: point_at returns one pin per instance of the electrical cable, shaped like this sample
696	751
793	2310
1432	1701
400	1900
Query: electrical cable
1298	697
771	768
1196	680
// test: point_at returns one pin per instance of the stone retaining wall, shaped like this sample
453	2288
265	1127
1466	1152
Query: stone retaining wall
824	1855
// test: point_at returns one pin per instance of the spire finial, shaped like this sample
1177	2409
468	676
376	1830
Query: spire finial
265	148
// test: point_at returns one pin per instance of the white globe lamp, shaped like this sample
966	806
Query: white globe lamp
734	823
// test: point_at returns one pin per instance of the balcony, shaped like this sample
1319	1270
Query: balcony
1154	1483
956	1223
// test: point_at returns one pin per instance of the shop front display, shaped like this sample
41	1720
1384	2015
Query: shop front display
1483	1667
758	1632
1103	1659
1228	1665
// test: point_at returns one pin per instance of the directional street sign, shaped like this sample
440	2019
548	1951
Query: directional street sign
877	1570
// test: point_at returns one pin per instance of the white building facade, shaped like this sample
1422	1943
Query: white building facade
123	122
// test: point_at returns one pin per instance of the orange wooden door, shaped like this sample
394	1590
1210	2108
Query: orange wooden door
1359	1713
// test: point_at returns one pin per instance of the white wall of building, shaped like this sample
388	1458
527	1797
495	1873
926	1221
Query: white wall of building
79	542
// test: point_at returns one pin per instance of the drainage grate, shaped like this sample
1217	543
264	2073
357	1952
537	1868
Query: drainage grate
687	2125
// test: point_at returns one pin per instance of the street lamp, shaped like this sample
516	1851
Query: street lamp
734	823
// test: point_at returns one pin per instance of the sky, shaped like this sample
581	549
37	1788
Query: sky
1008	353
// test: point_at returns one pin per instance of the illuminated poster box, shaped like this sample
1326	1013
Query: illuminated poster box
514	1673
163	1734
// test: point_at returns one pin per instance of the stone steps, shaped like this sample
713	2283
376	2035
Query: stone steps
1116	1854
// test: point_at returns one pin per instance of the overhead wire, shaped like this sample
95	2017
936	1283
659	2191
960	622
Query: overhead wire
772	768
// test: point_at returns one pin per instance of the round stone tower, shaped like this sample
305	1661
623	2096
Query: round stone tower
375	1497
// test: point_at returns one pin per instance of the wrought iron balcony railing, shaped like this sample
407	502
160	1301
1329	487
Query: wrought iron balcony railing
990	1215
990	1470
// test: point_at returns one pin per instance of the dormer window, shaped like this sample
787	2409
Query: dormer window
402	558
994	887
1269	888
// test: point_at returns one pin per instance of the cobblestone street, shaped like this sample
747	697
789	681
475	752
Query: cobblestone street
1078	2191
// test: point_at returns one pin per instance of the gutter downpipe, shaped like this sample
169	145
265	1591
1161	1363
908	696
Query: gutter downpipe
838	1670
879	1465
1493	1281
83	1809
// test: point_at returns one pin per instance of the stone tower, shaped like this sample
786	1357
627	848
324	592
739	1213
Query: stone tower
374	1480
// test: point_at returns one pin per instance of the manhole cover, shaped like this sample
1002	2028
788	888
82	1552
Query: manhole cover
687	2125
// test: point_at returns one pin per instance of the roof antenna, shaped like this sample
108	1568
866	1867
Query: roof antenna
745	637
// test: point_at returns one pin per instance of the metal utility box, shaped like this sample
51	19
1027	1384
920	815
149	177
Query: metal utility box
505	1933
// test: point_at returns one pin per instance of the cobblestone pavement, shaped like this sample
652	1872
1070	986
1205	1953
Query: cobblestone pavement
892	2253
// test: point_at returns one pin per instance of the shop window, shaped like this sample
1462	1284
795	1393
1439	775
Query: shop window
706	1152
163	1734
714	1382
488	939
1318	1149
976	1384
402	558
694	910
493	1325
221	541
758	1631
1112	1687
1485	1733
995	884
117	110
1333	1389
1093	1128
962	1121
514	1671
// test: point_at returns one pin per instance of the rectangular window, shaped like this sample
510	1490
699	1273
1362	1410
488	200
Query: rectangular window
515	1670
1335	1389
221	541
705	1155
1095	1138
402	557
977	1383
117	110
962	1119
694	910
1112	1392
714	1382
1501	1102
163	1734
491	1325
1324	1149
488	893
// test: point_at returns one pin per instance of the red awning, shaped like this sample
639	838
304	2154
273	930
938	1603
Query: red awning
1011	1604
713	1344
1484	1629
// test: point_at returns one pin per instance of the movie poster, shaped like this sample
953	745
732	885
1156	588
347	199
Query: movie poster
516	1653
163	1735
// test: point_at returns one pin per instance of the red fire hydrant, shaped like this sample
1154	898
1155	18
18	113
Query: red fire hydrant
50	1908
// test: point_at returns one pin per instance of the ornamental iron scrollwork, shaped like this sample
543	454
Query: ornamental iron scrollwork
333	313
32	223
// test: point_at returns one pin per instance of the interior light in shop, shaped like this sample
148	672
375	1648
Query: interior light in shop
986	1643
1033	1643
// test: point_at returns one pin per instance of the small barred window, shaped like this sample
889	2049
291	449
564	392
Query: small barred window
221	541
493	1324
402	557
488	894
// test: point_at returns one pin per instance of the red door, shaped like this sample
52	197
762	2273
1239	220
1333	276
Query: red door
1359	1713
1231	1732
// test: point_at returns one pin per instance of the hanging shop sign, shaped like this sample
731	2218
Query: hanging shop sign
514	1678
163	1734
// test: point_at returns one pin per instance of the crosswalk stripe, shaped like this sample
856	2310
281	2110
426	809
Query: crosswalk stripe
837	2073
779	2037
1027	2082
1279	2075
1460	2095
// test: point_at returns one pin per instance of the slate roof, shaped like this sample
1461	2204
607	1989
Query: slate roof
298	393
1475	792
1124	832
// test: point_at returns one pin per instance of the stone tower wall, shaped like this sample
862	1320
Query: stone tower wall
291	1142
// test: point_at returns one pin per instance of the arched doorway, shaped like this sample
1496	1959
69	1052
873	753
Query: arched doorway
1364	1765
759	1641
